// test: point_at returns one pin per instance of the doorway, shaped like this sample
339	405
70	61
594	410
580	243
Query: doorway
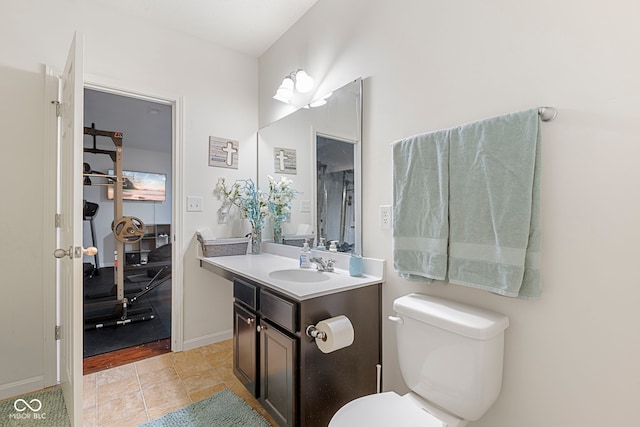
134	307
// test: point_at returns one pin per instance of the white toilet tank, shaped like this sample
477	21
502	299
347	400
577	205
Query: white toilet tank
450	353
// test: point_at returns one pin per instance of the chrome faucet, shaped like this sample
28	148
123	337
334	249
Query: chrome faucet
323	265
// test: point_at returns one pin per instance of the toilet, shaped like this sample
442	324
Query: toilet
450	355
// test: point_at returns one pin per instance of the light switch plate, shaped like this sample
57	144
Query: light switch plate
194	203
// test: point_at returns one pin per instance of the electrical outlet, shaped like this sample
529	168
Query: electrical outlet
385	216
305	206
194	204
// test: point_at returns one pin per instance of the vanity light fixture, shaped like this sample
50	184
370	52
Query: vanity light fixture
319	102
304	82
299	79
285	91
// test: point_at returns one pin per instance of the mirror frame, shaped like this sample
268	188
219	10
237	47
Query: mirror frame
317	129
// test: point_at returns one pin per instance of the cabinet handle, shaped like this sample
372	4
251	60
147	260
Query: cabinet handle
249	321
260	328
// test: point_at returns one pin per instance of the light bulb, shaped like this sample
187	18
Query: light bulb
285	91
304	82
318	103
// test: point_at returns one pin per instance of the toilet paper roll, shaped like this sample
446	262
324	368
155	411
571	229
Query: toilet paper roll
339	333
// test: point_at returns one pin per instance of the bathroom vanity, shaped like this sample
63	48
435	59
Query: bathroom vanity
274	303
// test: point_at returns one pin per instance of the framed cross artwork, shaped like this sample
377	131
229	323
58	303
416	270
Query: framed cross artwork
285	160
223	153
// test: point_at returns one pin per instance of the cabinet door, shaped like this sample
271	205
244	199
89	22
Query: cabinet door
245	349
278	374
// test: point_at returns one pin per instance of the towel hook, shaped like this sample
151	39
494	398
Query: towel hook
547	113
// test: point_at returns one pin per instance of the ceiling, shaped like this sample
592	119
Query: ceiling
145	125
247	26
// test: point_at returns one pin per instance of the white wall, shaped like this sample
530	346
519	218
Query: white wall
571	358
21	228
219	91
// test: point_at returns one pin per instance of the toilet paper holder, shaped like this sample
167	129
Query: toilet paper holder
313	332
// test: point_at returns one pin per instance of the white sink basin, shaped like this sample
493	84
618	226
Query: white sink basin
299	275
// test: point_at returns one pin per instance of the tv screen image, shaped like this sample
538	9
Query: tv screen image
146	186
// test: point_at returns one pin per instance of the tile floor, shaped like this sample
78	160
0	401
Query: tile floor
133	394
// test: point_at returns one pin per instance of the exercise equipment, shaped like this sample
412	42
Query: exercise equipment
126	229
157	272
89	212
158	269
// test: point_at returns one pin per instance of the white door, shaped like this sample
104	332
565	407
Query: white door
69	265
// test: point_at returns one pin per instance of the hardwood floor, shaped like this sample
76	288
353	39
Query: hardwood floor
127	355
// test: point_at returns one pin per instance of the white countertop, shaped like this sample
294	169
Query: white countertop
257	267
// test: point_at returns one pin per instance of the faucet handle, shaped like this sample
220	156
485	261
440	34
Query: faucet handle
318	261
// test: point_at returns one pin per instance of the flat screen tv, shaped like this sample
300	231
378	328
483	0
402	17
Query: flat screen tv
146	186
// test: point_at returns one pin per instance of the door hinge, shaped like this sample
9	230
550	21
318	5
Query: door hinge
59	221
58	105
57	332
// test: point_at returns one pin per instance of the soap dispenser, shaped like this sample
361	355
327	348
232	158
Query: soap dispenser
355	265
321	246
333	247
305	256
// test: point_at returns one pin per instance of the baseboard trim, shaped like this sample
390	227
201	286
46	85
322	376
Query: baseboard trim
18	388
207	339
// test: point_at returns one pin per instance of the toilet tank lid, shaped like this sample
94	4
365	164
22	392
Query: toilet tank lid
453	316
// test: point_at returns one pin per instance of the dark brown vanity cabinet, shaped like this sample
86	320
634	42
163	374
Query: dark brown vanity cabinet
295	382
245	347
278	373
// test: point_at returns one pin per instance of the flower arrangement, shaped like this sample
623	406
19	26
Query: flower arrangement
252	202
279	201
256	205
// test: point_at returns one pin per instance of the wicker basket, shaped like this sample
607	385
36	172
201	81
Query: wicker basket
224	247
298	239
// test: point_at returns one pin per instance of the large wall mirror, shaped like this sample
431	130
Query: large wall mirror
319	149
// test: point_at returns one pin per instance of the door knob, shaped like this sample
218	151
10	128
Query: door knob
75	253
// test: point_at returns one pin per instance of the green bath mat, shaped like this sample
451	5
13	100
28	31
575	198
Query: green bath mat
223	409
43	408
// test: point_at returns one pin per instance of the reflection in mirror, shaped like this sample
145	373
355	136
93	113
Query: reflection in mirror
318	149
335	214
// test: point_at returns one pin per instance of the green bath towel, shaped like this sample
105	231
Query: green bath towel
420	206
494	202
466	205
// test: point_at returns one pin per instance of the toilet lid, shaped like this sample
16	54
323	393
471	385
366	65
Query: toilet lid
384	410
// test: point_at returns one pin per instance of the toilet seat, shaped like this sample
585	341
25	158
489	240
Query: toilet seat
384	410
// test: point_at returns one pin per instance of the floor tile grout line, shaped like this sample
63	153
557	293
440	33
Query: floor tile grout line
144	401
95	400
97	409
184	388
